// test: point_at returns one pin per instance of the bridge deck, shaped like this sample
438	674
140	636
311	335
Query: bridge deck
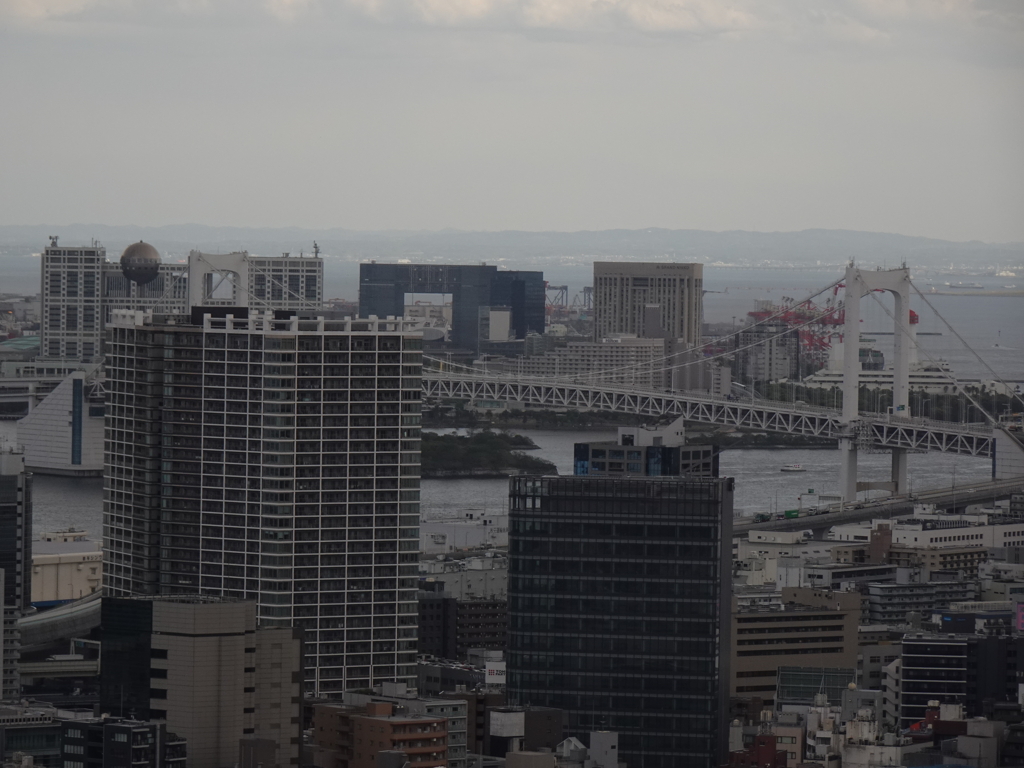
876	430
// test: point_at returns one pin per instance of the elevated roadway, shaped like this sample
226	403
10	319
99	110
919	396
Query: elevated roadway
74	668
835	514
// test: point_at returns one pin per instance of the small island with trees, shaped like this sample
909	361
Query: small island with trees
479	454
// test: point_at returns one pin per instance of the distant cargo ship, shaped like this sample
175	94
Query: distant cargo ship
964	285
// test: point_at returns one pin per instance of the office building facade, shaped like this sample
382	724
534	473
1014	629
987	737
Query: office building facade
619	609
383	288
811	628
80	291
626	292
275	460
197	664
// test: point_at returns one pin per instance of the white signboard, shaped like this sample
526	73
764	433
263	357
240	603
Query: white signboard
495	672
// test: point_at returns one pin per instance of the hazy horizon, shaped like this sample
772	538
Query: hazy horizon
898	116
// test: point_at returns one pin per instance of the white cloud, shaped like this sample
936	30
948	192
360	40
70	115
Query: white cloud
865	21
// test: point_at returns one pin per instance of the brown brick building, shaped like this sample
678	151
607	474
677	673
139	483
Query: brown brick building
347	736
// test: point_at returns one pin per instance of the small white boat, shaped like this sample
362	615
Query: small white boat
794	468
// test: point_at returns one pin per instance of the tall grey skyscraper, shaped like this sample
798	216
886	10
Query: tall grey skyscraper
271	459
624	291
619	599
15	563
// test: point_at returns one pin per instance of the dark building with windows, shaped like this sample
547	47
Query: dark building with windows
971	670
15	564
450	627
382	290
112	742
619	610
648	452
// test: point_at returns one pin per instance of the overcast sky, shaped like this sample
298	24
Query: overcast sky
887	115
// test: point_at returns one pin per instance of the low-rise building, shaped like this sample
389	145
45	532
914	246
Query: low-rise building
813	628
406	701
890	604
112	742
450	627
482	575
66	565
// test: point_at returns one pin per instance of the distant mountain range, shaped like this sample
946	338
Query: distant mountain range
561	255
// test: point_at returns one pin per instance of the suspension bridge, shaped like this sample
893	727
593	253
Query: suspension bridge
895	431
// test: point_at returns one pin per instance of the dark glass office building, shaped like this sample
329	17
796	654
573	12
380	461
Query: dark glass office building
619	610
382	290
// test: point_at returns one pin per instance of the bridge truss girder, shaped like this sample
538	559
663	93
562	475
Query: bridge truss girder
917	437
881	433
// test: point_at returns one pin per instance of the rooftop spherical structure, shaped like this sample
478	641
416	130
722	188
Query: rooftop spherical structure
140	263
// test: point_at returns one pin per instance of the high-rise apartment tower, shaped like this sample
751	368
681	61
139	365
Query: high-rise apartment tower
277	460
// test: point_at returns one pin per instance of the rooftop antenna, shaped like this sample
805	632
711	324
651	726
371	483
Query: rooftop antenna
316	250
53	241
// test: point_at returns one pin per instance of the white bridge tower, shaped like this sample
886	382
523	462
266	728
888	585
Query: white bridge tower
859	283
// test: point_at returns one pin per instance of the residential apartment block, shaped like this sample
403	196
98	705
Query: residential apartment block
346	736
275	460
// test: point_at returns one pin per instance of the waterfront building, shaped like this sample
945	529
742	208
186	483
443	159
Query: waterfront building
63	435
646	452
275	460
625	292
474	289
80	290
619	609
15	563
202	666
769	352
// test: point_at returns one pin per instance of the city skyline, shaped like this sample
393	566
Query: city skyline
269	457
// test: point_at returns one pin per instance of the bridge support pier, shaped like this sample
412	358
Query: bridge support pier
848	468
899	471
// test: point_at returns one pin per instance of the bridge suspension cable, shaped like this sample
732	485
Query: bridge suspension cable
1013	394
731	352
952	379
589	375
